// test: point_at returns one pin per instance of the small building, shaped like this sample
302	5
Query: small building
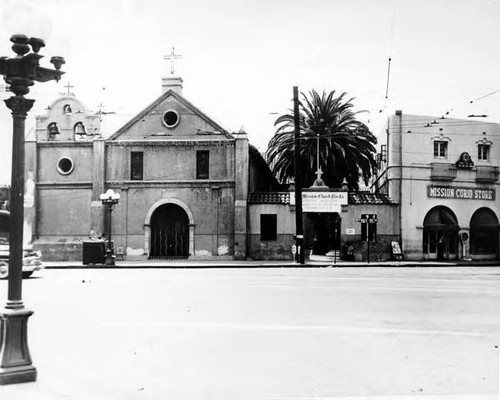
271	227
444	174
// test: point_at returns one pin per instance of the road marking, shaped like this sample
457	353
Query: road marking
275	327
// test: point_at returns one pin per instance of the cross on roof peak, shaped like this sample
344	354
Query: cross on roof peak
69	87
172	57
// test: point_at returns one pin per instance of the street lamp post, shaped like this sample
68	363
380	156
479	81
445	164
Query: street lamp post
20	72
109	199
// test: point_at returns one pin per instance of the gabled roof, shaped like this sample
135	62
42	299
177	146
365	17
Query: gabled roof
158	101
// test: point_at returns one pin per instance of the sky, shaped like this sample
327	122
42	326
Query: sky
241	59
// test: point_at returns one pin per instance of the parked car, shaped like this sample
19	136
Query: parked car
32	259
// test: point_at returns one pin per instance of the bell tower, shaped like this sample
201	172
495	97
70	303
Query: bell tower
67	119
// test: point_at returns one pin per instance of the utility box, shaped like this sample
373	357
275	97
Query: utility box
94	252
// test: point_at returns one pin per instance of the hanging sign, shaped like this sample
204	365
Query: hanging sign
326	202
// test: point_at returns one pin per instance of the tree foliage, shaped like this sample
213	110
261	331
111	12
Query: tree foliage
346	145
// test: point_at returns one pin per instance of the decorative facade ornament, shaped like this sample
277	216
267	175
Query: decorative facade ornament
464	161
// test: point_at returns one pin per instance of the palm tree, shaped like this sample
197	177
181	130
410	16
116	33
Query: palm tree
346	145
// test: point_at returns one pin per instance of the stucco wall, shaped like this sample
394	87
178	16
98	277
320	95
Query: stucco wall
387	231
64	212
279	249
212	210
151	124
49	155
169	160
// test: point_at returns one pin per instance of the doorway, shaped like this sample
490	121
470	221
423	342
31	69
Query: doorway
169	233
440	238
323	232
484	234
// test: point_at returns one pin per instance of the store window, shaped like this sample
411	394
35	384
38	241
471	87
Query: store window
484	230
483	152
440	149
268	227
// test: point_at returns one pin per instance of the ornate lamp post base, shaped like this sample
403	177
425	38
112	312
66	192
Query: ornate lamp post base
15	360
110	259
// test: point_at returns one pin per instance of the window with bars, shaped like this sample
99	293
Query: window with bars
202	164
136	165
440	149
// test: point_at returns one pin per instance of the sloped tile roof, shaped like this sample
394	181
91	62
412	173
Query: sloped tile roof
284	198
369	198
269	198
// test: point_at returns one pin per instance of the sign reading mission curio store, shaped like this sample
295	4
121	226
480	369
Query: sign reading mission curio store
460	192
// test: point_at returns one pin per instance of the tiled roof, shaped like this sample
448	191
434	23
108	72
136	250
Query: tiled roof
269	198
368	198
284	198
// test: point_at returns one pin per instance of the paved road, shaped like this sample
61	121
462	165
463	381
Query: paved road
319	333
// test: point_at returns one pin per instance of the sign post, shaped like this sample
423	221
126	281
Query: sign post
367	220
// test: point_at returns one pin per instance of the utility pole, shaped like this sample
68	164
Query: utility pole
299	231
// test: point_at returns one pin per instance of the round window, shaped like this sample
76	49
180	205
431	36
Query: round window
170	118
65	165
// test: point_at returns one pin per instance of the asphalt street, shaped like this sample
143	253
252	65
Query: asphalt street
287	334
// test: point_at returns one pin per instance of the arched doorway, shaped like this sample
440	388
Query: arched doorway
440	241
169	232
484	230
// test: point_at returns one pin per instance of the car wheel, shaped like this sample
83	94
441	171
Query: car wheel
4	272
27	274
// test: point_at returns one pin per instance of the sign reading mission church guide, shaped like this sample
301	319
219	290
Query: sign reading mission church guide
460	192
323	201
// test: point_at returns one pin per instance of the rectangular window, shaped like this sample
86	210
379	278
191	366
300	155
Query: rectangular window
483	152
268	227
136	165
202	164
440	149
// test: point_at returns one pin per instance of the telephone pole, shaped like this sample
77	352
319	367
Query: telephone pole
299	231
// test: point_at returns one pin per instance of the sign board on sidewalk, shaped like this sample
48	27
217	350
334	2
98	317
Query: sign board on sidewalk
323	202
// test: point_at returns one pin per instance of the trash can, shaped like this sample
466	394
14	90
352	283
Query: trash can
94	252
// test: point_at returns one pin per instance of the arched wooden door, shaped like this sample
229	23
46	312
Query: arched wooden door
169	232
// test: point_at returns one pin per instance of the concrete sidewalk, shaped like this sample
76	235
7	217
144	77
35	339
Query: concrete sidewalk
265	264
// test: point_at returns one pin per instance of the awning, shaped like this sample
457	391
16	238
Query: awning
443	227
441	218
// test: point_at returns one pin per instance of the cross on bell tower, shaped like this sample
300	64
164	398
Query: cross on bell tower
172	57
68	87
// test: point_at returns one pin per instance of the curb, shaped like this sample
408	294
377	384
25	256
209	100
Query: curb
206	265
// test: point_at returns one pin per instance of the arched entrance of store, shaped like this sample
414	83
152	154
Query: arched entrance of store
484	230
169	232
440	241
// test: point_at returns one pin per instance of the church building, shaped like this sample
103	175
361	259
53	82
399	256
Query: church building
183	181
